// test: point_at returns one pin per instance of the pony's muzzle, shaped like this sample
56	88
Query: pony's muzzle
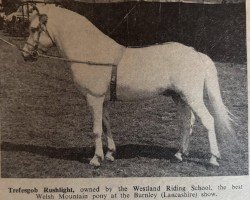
30	56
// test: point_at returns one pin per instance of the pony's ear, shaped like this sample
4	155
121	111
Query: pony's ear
34	8
43	18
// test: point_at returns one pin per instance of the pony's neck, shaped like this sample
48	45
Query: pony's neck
77	38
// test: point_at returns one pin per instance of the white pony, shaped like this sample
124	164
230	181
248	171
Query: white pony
142	73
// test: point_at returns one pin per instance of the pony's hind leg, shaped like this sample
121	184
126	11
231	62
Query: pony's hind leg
186	122
198	107
96	106
107	129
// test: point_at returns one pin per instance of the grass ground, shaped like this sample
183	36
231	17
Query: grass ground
46	127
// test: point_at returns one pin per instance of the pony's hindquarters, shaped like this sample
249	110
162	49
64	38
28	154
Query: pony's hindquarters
151	71
193	71
221	116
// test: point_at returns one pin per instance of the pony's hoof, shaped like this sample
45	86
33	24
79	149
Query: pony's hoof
213	161
96	161
178	155
109	156
216	154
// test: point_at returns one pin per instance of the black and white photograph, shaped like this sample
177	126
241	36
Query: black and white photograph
122	88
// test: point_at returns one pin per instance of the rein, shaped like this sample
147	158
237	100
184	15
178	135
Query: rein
57	57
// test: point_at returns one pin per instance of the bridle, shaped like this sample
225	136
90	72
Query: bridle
34	53
43	19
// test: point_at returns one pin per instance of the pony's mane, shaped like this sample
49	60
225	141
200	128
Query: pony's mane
69	17
72	25
52	8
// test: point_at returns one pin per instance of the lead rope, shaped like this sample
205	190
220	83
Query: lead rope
60	58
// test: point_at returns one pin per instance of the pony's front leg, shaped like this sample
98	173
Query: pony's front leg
96	106
187	126
107	129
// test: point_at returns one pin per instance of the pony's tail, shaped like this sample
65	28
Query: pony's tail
223	118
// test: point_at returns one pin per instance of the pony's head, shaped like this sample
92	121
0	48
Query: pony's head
39	37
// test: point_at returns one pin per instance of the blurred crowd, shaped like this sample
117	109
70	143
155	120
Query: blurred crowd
15	23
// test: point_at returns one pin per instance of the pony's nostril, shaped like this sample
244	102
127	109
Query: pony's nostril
34	54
